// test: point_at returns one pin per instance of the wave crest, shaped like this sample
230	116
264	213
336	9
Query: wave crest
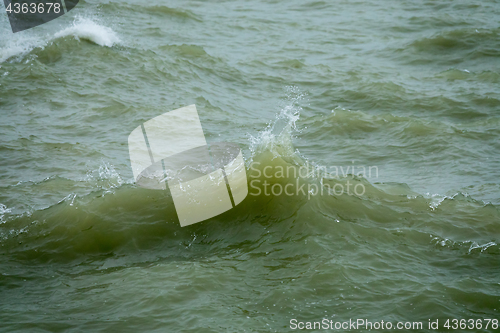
81	28
87	29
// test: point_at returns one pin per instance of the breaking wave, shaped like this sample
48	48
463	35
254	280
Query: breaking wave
116	216
81	28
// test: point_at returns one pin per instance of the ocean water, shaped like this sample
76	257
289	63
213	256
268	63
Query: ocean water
399	98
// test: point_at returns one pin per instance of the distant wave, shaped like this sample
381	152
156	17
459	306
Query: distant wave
184	14
81	28
176	13
459	39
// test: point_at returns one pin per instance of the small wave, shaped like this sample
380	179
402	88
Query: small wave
186	50
478	247
437	200
160	10
174	12
439	20
291	63
455	74
89	30
459	39
471	246
81	28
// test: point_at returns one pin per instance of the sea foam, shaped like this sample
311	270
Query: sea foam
81	28
87	29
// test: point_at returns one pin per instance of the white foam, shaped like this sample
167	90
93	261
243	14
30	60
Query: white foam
21	44
88	29
3	210
104	177
483	247
19	47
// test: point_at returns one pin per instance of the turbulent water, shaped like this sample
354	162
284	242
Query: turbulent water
406	90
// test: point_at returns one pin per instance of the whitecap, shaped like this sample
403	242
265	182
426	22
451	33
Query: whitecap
81	28
87	29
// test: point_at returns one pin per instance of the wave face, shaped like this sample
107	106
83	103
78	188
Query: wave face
370	134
